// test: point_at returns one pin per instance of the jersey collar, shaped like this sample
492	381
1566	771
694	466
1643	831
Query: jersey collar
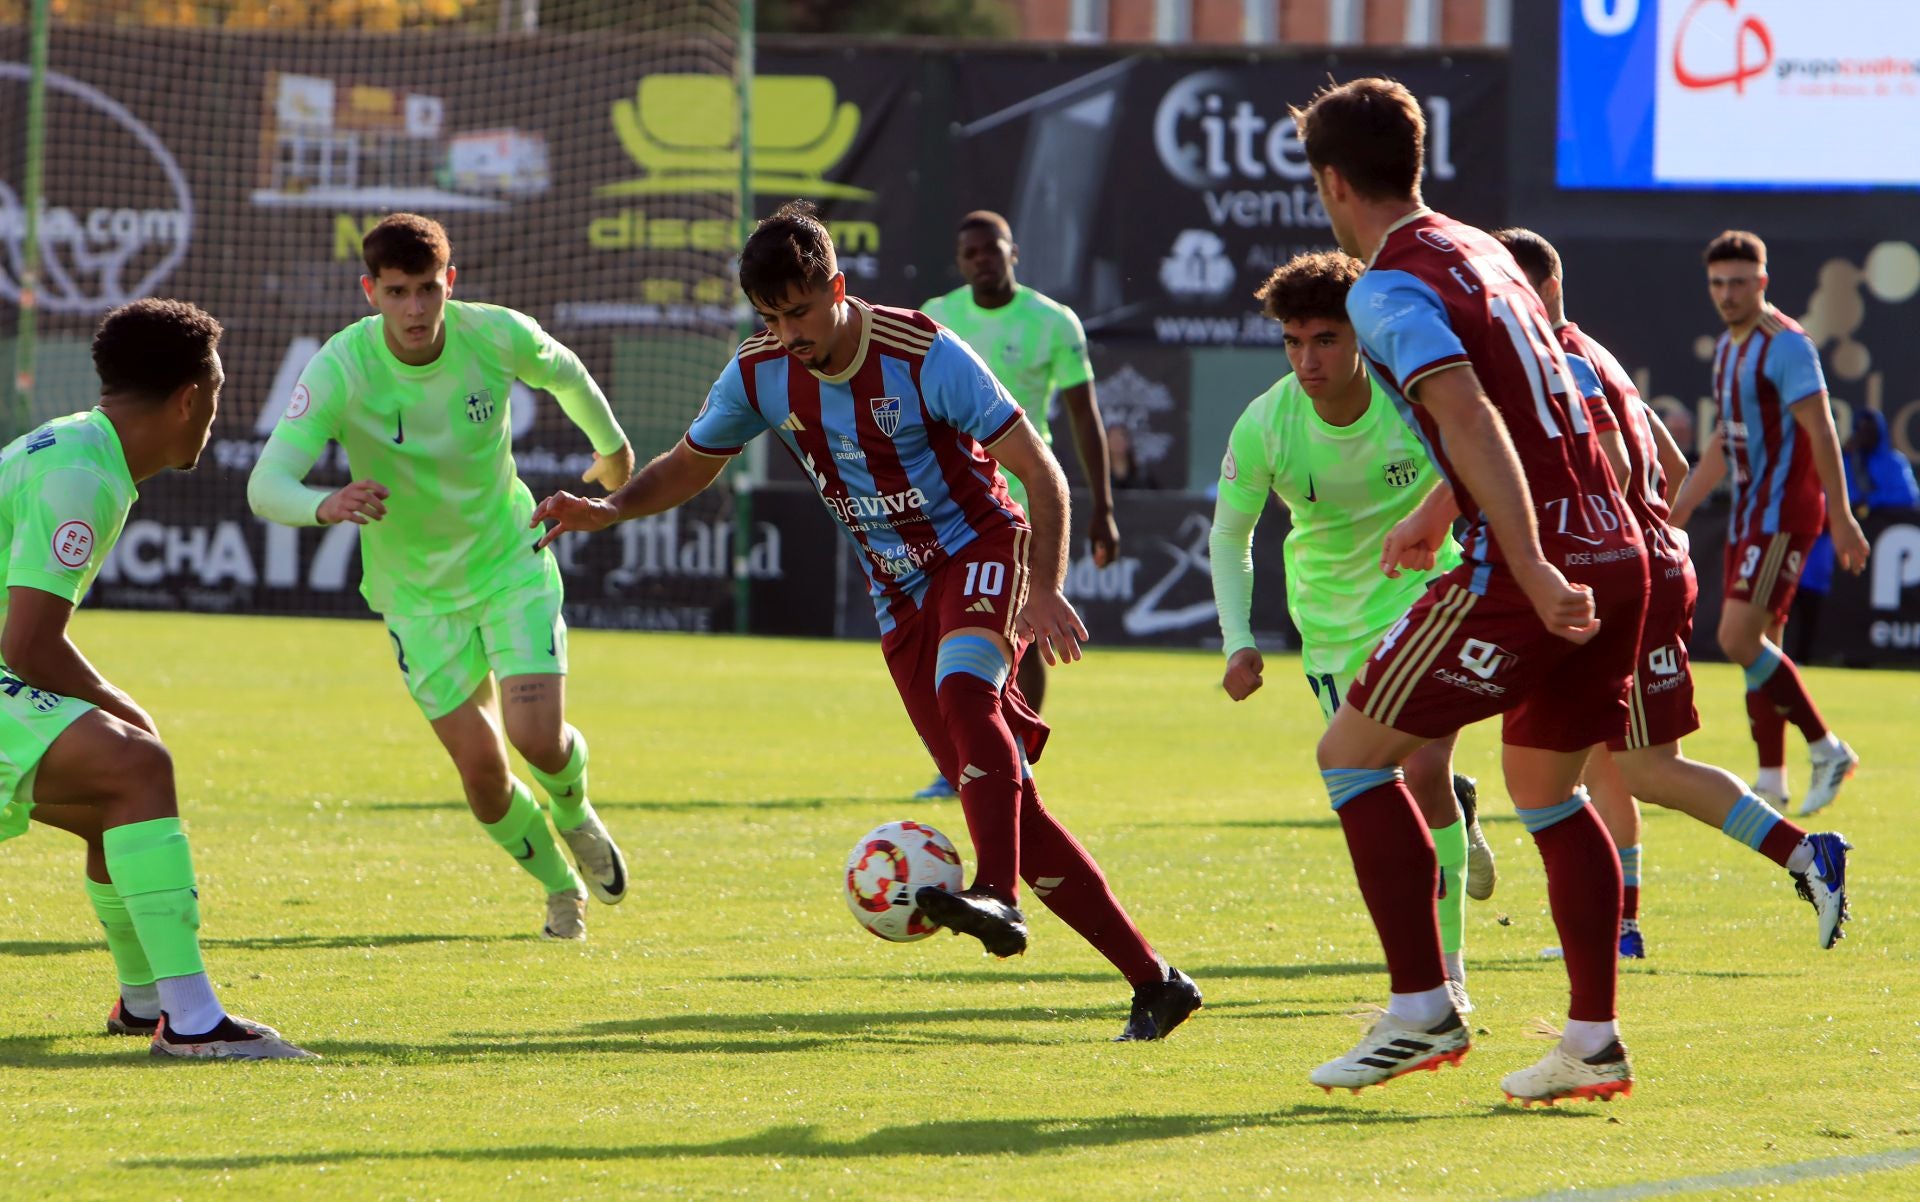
865	315
1409	219
98	417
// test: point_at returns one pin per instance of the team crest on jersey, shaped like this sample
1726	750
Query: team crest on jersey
1401	472
886	414
45	702
480	406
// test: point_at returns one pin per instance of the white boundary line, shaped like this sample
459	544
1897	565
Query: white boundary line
1805	1170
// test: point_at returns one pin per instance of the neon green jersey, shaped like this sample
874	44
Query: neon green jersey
440	439
1033	344
64	495
1346	486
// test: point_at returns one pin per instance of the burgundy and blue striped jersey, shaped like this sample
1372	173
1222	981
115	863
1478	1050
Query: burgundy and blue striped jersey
1646	483
1756	382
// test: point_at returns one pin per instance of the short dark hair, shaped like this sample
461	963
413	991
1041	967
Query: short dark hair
407	242
1536	256
1310	286
1740	245
151	347
1369	130
790	247
985	219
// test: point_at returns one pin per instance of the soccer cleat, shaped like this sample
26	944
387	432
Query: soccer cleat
1824	887
1827	774
939	790
233	1039
1457	994
598	857
566	915
1481	875
119	1022
1780	801
1160	1007
1559	1075
997	925
1391	1049
1632	946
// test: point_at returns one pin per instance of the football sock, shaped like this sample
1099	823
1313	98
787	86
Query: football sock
1067	879
566	789
968	676
1764	718
1772	780
523	832
1800	859
1456	967
1825	746
1630	882
123	942
1760	826
189	1005
1583	888
1783	688
1584	1039
1423	1009
1399	877
1450	849
152	869
140	1001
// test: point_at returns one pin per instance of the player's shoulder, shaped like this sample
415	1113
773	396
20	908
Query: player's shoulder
1382	295
1040	303
941	308
759	345
83	442
1784	332
905	333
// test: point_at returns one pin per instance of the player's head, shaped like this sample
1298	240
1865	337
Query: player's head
1307	295
162	357
1737	275
792	279
1365	141
409	278
986	253
1538	261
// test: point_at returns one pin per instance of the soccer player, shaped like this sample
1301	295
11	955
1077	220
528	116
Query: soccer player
961	581
417	396
1035	347
1327	442
1788	485
1646	756
1540	622
76	752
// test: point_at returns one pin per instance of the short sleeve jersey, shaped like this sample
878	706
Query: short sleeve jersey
1345	486
1439	294
1033	344
1756	382
896	444
1646	485
64	496
440	438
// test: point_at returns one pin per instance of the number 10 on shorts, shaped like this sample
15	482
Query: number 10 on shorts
984	579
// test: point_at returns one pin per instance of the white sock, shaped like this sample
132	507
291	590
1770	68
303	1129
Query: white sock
1629	926
1423	1009
1826	746
190	1005
142	1001
1457	967
1772	780
1584	1039
1800	859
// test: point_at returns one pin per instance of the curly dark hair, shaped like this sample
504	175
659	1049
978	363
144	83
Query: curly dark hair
1372	131
148	349
1309	286
408	242
790	247
1738	245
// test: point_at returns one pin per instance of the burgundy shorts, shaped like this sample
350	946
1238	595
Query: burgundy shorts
1462	655
982	586
1660	704
1764	569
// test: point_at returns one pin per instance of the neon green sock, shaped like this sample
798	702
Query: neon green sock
129	961
1450	848
152	869
523	833
567	789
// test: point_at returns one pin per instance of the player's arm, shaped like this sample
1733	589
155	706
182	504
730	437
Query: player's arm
1815	419
1701	481
1048	618
1673	461
1090	440
35	648
1414	542
1246	476
1601	417
670	480
275	488
546	362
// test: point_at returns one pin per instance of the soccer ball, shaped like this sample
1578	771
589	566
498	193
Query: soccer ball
887	867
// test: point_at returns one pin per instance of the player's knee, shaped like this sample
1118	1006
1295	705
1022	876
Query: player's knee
144	770
969	671
542	741
483	772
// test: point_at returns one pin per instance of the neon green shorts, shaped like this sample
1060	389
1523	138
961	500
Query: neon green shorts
515	632
1331	667
30	720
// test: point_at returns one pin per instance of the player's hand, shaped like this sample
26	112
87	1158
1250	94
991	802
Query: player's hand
611	471
1408	546
1564	608
1104	535
1849	543
569	513
1048	619
1243	673
359	503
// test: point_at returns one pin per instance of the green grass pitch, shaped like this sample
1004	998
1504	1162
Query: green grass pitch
730	1032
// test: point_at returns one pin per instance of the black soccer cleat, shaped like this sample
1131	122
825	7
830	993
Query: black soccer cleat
1466	791
999	926
121	1021
1160	1007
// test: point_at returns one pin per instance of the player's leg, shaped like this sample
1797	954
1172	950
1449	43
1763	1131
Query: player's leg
1429	775
1033	680
1613	800
136	1009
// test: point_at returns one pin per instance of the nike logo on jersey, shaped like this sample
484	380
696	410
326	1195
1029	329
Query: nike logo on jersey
399	429
1310	495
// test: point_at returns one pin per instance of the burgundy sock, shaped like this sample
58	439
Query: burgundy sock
1067	879
1778	844
1399	877
1789	696
1583	887
989	778
1769	728
1630	902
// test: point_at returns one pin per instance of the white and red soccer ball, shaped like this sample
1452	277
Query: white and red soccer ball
887	867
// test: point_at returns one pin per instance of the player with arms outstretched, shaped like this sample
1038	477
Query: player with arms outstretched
76	752
417	396
903	430
1327	441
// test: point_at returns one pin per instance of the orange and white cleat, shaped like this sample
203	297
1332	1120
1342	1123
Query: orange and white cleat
1560	1075
1393	1049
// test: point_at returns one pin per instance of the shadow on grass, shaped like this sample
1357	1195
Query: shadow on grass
687	805
59	947
1199	972
971	1137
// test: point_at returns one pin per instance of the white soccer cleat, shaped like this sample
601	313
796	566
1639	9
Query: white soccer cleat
1828	773
1391	1049
1824	886
1481	874
234	1039
1457	994
599	860
566	915
1560	1075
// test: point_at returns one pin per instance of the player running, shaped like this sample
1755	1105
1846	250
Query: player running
417	396
1327	442
1035	347
1551	592
76	752
1788	485
902	429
